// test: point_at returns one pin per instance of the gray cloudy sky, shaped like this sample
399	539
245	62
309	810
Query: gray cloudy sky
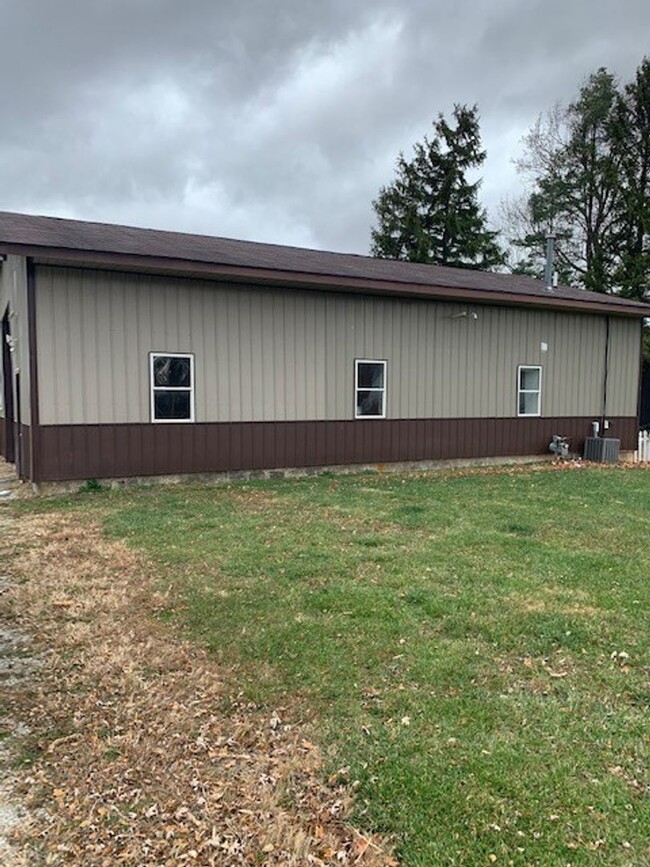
276	120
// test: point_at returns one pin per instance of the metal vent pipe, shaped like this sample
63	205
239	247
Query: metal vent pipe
548	268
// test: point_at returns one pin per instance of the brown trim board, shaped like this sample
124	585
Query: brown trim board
24	433
33	364
66	452
641	364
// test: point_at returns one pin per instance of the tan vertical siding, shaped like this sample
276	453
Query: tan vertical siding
13	292
288	355
624	367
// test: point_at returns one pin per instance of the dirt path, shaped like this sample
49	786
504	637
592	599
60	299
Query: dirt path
136	746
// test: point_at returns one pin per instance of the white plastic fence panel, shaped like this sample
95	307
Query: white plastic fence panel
642	454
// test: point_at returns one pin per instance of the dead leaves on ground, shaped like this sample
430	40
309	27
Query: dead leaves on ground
142	753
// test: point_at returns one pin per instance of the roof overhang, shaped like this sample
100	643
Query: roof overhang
171	266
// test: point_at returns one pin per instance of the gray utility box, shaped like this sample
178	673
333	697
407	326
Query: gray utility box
602	449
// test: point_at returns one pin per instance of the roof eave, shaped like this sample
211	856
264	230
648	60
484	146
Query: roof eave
323	282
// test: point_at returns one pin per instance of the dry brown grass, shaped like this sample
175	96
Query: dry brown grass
559	603
143	752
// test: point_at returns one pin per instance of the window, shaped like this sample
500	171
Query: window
529	390
172	386
369	389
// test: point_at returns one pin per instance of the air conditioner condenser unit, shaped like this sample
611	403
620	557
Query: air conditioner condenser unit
604	450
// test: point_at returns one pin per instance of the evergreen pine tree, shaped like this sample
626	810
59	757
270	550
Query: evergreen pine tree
430	213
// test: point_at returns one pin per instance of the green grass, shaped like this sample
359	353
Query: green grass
448	638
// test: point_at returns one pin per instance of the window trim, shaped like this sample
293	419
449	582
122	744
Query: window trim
537	391
154	388
383	390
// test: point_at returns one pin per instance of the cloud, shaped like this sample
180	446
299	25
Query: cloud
275	121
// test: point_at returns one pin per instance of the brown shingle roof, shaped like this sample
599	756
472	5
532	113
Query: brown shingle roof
102	243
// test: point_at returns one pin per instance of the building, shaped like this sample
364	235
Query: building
131	352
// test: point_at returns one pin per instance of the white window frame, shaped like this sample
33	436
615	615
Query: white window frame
537	391
154	388
357	389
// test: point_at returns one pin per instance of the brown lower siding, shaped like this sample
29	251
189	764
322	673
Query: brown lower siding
114	451
22	448
24	452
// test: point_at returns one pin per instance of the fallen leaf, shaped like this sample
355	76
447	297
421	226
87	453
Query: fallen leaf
360	847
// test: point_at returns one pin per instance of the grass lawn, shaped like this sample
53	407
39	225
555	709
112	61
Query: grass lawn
470	650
